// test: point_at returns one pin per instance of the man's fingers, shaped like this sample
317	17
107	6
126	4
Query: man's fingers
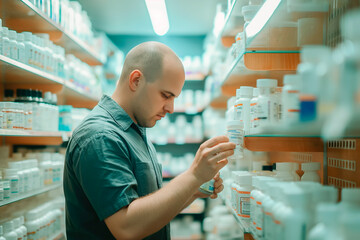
214	141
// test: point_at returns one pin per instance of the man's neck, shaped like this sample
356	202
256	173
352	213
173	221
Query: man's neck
124	103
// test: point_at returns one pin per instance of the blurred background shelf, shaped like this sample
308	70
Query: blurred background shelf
22	15
30	194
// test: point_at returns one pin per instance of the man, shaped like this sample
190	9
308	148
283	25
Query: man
112	180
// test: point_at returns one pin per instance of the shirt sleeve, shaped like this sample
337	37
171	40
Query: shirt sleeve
105	173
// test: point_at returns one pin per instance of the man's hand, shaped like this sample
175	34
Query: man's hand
218	187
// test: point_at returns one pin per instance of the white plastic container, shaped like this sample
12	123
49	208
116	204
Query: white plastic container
22	227
266	110
32	224
310	172
29	48
1	229
284	171
296	222
17	229
9	233
328	224
21	48
243	195
242	106
290	99
18	167
5	42
11	175
253	111
350	199
235	132
14	52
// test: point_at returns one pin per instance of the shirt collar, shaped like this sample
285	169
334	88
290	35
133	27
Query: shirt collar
119	115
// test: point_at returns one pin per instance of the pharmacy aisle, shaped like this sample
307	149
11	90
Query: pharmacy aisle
286	92
51	77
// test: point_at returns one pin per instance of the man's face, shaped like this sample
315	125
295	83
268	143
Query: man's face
156	99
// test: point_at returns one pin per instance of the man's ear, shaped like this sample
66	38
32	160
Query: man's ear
135	78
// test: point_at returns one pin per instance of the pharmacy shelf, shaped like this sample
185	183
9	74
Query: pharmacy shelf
219	101
194	76
190	111
283	143
226	36
78	97
246	73
22	137
22	15
16	73
30	194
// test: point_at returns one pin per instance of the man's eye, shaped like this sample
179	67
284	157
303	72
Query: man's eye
165	96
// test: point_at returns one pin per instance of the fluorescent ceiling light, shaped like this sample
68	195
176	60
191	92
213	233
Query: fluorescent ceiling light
261	18
158	16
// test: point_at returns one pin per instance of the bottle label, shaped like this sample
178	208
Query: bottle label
14	186
239	111
243	207
208	187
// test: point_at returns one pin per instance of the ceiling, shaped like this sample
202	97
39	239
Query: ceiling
130	17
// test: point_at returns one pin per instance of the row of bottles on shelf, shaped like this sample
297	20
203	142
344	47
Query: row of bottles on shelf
39	52
274	207
180	131
70	16
29	110
46	221
190	101
25	174
174	165
186	228
193	65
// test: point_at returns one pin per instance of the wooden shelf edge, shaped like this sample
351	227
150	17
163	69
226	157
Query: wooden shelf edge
284	144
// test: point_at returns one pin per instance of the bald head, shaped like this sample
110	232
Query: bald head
149	58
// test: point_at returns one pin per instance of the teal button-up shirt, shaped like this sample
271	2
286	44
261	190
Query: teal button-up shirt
109	163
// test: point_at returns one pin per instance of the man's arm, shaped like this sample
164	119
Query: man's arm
147	215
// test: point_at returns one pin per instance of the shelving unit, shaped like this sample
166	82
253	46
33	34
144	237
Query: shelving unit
22	15
21	137
29	194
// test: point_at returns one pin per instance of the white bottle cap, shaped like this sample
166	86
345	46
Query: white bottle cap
8	226
244	179
10	172
266	83
20	37
350	25
22	220
5	31
16	223
292	79
311	166
0	27
237	93
296	197
12	34
315	53
350	195
27	36
284	166
255	92
246	92
1	230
